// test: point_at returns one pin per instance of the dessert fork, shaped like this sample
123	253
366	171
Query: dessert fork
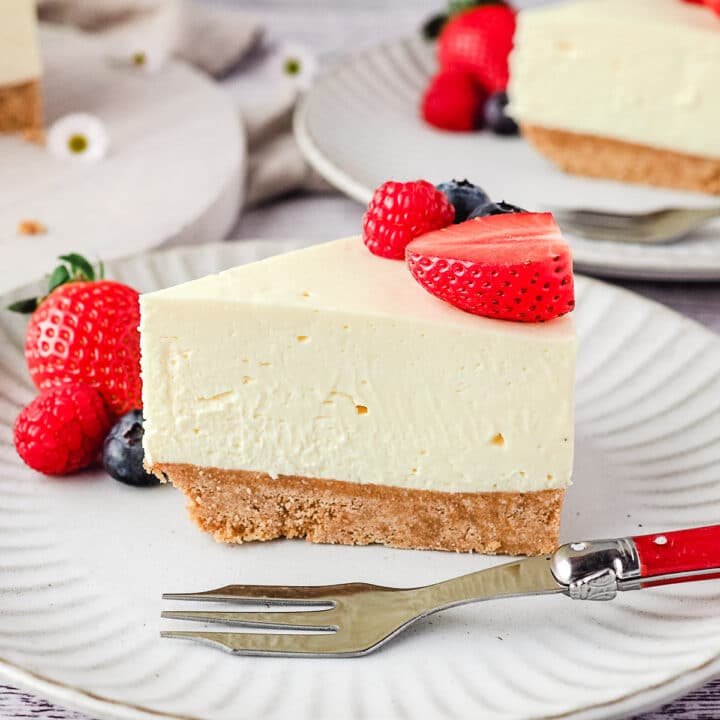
356	618
651	228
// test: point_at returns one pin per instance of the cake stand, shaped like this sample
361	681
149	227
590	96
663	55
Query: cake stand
174	172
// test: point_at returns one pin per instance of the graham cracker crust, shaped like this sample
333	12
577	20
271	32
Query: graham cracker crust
21	107
617	160
236	506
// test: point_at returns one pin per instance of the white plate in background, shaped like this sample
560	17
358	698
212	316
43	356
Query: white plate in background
359	125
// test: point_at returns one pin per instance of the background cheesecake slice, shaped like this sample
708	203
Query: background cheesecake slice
20	100
325	394
622	90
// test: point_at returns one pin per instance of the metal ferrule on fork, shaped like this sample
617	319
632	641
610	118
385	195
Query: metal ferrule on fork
597	569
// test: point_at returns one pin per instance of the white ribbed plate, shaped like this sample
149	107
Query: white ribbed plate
83	561
359	125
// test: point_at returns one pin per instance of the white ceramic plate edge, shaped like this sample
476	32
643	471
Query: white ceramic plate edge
332	173
74	698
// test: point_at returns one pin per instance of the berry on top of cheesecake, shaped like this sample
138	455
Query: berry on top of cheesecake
399	212
510	266
464	197
497	260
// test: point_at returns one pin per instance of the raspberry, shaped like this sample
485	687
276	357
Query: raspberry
62	429
399	212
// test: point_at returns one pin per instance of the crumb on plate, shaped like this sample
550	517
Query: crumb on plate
31	227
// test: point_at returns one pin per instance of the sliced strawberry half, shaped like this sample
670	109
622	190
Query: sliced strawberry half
510	267
714	5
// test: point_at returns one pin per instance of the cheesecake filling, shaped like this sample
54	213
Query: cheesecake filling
643	72
20	58
418	396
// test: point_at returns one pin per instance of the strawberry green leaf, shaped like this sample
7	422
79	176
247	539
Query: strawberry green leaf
80	268
434	25
75	268
455	7
25	307
101	270
59	277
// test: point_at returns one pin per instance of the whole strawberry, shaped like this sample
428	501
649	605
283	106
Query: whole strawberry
85	330
454	101
399	212
62	429
479	41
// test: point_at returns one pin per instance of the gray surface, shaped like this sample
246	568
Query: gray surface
331	26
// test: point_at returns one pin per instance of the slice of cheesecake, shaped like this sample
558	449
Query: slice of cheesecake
622	90
325	394
20	101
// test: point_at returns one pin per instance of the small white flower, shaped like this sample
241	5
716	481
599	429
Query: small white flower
144	60
79	136
296	65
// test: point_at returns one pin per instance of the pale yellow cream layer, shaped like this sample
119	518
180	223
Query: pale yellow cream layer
642	71
19	53
332	363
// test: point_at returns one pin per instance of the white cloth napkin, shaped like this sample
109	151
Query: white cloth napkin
275	165
217	39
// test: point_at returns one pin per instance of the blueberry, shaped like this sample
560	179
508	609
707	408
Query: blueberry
496	119
464	197
433	26
491	208
123	451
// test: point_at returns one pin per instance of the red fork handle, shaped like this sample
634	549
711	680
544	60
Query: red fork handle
679	556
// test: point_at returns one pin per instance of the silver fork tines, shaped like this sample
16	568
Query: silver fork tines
349	619
262	620
659	226
265	644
